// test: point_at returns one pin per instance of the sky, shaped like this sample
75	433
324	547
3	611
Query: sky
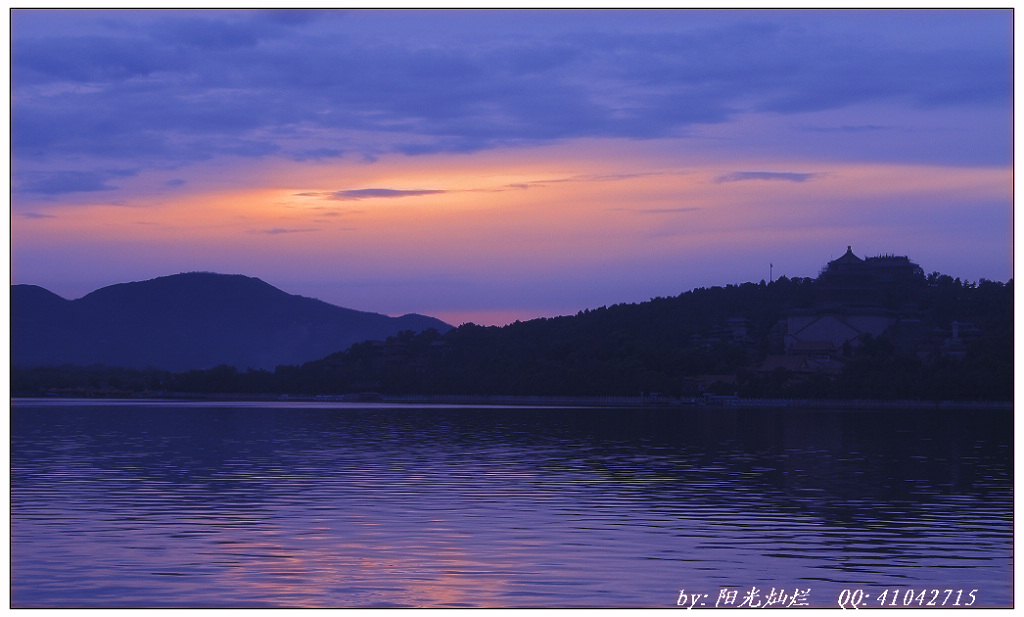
492	165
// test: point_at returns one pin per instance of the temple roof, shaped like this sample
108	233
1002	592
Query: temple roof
847	258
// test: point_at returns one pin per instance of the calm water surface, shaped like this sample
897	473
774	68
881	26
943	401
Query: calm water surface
127	504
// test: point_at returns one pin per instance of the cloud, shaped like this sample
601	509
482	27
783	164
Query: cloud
208	34
283	230
296	17
317	154
680	210
165	89
586	178
89	59
62	182
846	128
380	193
37	215
740	176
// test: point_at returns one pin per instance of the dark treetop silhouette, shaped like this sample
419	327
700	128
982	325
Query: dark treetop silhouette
874	328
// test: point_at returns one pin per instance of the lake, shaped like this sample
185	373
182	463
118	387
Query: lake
203	504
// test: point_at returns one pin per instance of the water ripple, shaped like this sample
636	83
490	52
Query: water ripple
300	506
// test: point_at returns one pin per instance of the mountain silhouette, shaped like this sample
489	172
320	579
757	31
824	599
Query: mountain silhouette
188	321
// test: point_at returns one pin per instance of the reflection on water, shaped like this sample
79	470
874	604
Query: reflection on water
190	505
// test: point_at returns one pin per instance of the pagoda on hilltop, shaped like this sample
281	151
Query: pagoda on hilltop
855	298
852	282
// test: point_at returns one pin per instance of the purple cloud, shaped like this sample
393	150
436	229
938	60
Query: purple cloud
380	193
740	176
283	230
62	182
679	210
161	90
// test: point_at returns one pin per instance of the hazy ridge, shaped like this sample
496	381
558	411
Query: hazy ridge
186	321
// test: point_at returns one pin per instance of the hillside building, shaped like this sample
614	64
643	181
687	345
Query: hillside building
856	297
852	282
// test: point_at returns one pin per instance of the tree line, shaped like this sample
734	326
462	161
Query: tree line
663	345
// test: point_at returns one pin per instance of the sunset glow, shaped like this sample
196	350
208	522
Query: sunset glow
510	179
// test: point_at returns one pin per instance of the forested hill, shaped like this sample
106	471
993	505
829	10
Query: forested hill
679	347
187	321
946	340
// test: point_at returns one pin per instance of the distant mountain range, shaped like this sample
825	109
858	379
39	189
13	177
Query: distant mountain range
190	321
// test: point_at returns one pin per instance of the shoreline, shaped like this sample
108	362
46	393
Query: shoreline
631	402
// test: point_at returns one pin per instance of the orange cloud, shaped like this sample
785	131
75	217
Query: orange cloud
507	217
